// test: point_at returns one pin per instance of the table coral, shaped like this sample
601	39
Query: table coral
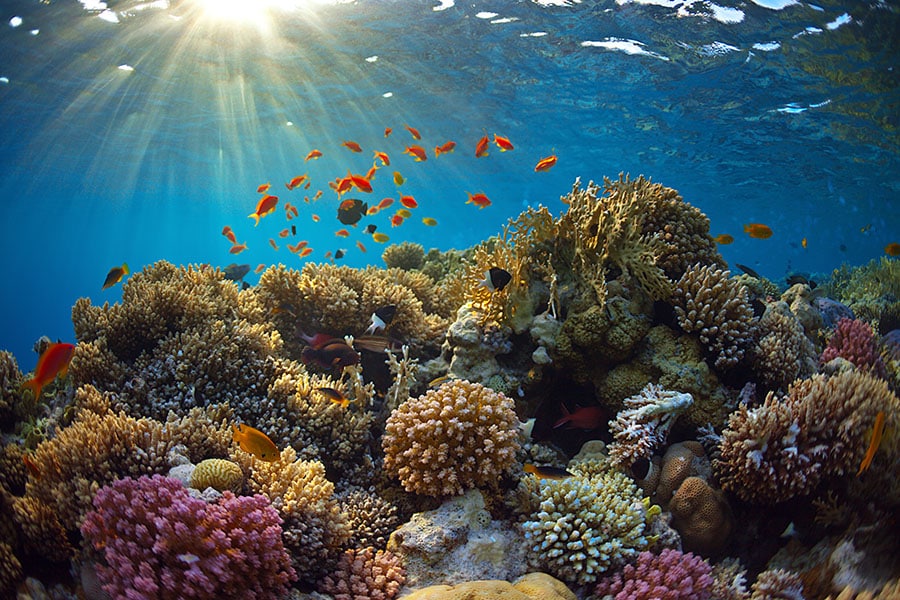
716	307
644	423
365	573
671	574
586	526
157	542
458	436
821	428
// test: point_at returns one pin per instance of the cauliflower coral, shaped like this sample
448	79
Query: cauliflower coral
453	438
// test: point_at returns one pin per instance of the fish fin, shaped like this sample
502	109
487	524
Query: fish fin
254	216
125	269
34	386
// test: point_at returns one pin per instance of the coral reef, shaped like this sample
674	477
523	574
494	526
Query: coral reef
533	586
777	584
405	255
681	460
370	518
458	436
702	516
783	353
670	574
365	573
219	474
854	340
644	423
157	542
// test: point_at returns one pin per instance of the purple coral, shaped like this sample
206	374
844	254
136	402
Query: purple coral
157	542
855	341
669	575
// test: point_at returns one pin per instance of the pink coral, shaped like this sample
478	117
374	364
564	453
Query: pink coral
854	340
365	574
157	542
669	575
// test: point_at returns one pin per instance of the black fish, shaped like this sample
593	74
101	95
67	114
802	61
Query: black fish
495	279
748	270
338	254
236	272
293	230
351	211
370	228
333	354
381	318
795	279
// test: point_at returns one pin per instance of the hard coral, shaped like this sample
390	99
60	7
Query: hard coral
785	447
783	352
370	517
644	423
157	542
405	255
585	526
669	575
709	303
701	515
365	573
219	474
855	341
458	436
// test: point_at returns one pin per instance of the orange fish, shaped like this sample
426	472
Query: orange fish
298	246
318	195
758	231
418	152
360	183
723	239
265	206
352	146
273	244
503	143
545	163
315	218
305	252
294	210
430	221
877	432
312	154
237	248
373	210
29	464
387	131
54	361
342	185
803	242
413	132
380	237
296	181
479	200
228	233
481	149
335	396
256	443
396	220
284	233
263	188
360	246
342	233
259	268
370	174
409	202
892	249
383	157
385	202
115	275
444	148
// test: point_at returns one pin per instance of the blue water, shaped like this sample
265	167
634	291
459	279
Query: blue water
136	133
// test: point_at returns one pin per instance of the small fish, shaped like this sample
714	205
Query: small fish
377	344
553	473
335	354
387	131
29	463
296	181
803	243
284	233
503	143
370	174
381	318
413	132
398	178
437	381
352	146
312	154
385	202
298	247
430	221
263	188
360	246
370	228
397	220
417	152
480	200
228	233
384	158
351	211
380	237
315	218
255	442
342	233
360	183
305	252
877	432
404	212
409	202
294	210
444	148
481	148
892	249
115	275
758	231
339	254
796	278
274	244
865	228
373	210
586	418
748	271
265	206
236	272
318	195
495	279
723	239
53	362
293	230
237	248
259	268
545	164
335	396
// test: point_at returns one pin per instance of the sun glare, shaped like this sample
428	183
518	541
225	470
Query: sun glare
251	12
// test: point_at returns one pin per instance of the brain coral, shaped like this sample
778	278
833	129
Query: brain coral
785	447
159	543
458	436
669	575
717	308
585	526
219	474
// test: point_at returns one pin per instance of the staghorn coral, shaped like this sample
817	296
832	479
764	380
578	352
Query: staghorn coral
644	423
820	429
12	469
854	340
42	531
370	518
709	303
783	352
365	573
669	575
157	542
458	436
405	255
702	516
219	474
586	526
314	527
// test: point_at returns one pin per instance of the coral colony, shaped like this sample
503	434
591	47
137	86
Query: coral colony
589	404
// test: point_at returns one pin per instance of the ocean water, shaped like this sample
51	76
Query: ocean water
135	131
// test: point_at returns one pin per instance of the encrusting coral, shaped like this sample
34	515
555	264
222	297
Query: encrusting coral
365	573
644	423
458	436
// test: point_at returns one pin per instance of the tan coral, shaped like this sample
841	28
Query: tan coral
42	531
219	474
10	570
681	460
370	518
458	436
405	256
702	516
783	352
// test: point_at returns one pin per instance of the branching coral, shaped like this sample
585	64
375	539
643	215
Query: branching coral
370	518
644	423
157	542
785	447
586	526
458	436
855	341
365	573
669	575
405	255
783	352
709	303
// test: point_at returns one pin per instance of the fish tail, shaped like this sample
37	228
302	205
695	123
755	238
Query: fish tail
255	217
125	269
35	387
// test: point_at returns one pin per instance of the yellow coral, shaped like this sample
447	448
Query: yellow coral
219	474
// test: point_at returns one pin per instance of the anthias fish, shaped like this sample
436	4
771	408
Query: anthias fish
53	363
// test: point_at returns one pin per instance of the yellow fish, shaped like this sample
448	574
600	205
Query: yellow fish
335	396
430	221
256	443
380	237
398	178
554	473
